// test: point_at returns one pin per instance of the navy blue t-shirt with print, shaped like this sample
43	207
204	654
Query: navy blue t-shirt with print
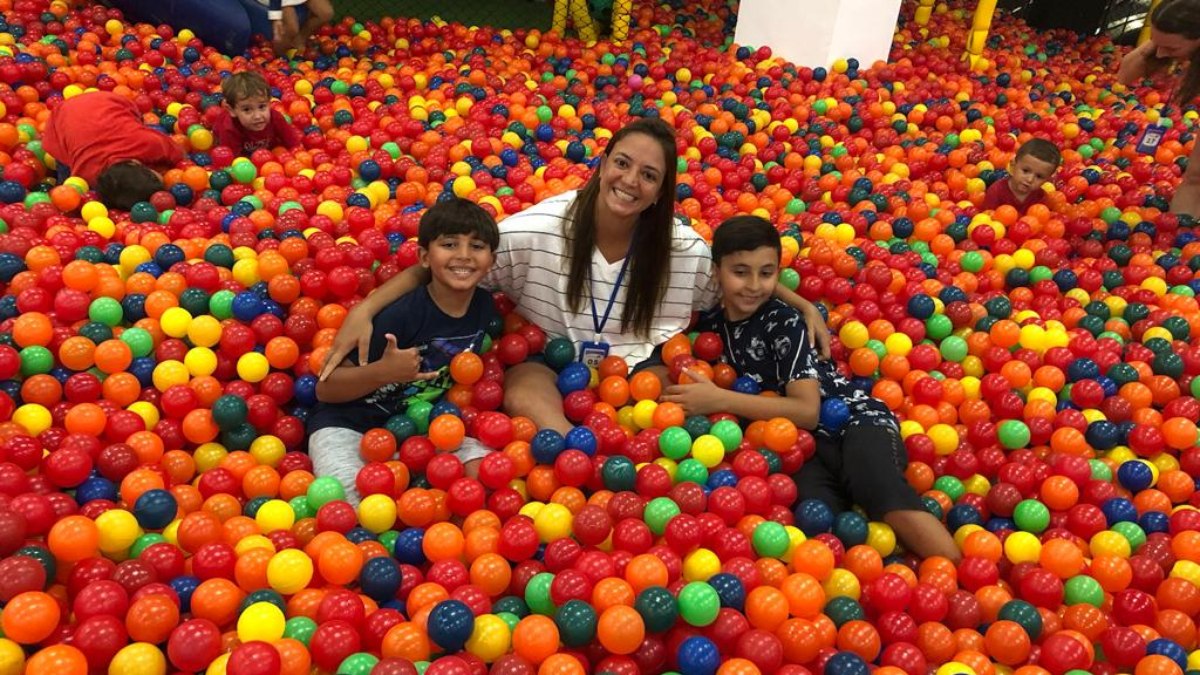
771	347
416	321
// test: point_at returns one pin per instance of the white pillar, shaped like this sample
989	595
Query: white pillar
817	32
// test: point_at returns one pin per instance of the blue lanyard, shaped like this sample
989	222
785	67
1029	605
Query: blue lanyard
597	321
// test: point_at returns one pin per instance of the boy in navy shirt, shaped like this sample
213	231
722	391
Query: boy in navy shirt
1034	164
412	344
860	458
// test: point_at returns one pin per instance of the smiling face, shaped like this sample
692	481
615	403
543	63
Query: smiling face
1172	45
457	262
747	280
1028	174
631	177
252	113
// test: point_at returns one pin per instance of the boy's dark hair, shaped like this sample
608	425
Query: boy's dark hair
126	183
457	216
1040	148
744	233
241	86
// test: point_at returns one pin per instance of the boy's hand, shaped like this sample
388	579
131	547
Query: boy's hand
701	398
402	365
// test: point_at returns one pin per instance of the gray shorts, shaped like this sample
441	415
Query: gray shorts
335	452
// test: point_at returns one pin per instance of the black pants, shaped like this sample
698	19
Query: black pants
865	468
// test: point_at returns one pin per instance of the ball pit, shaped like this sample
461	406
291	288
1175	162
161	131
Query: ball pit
157	512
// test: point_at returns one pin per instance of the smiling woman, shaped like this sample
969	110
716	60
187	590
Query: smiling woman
1174	37
607	267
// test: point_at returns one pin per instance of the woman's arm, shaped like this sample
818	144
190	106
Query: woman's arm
818	332
356	329
801	405
1138	64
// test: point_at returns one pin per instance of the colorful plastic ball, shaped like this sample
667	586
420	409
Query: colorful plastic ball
260	621
451	624
289	571
699	656
699	604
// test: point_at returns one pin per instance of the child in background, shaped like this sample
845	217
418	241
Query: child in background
287	31
100	137
247	122
859	462
1035	163
412	344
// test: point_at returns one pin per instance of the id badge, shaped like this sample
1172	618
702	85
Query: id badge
1151	137
592	353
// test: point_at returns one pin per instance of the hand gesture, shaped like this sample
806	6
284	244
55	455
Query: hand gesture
700	398
403	365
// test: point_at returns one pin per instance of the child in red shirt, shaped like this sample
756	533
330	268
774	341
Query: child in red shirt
99	137
1035	162
247	122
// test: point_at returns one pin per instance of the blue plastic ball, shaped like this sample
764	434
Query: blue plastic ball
573	377
380	579
155	509
814	517
450	624
546	446
729	589
698	656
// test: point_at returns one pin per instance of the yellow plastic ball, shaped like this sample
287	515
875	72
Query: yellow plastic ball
377	513
1186	569
261	621
944	437
275	515
899	344
168	374
267	450
490	639
1110	543
118	530
252	542
643	413
463	186
204	330
708	450
245	272
253	367
217	667
842	583
145	410
955	668
289	571
139	658
12	657
854	335
33	417
102	226
201	139
131	256
881	538
175	322
553	522
701	565
1022	547
200	361
209	456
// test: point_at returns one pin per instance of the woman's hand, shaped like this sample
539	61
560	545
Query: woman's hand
818	332
1139	63
354	333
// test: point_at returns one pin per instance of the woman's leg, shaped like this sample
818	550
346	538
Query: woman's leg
531	390
1187	195
291	28
320	12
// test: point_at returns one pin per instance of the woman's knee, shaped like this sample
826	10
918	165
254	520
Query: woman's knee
320	10
529	382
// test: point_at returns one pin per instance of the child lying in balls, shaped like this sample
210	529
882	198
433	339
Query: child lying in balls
860	458
412	344
100	137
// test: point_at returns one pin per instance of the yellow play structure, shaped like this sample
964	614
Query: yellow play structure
576	12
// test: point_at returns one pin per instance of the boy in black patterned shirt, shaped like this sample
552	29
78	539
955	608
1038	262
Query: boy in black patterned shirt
860	457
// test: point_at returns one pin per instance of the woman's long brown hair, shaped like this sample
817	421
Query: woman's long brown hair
650	253
1180	17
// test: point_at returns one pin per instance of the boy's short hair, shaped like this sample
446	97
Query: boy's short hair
126	183
1040	148
458	216
744	233
241	86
